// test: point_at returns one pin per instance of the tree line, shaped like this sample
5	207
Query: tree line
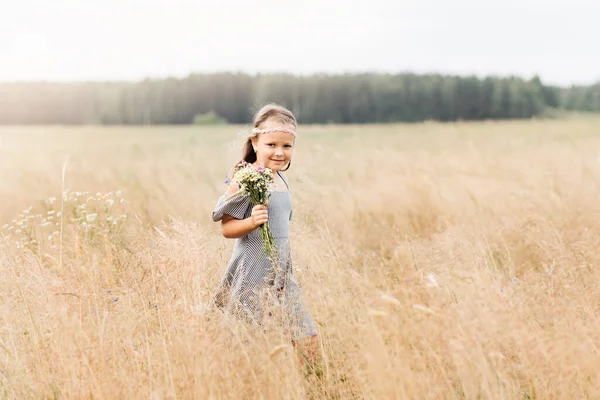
343	98
582	98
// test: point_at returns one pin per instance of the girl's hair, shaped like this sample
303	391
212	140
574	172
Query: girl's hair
271	111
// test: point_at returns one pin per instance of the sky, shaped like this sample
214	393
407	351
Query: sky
83	40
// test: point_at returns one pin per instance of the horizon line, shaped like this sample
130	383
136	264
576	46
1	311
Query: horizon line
292	74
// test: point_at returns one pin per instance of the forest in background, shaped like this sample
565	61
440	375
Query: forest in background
343	98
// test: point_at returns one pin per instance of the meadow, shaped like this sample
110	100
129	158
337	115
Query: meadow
440	261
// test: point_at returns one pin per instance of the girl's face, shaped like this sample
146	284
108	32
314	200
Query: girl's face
274	150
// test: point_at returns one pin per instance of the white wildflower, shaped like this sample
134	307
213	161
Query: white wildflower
90	217
432	281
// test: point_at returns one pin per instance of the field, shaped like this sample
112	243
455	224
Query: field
440	261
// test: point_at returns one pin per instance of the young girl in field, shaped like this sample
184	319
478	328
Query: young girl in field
249	274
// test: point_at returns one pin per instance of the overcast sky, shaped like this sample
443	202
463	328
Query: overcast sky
73	40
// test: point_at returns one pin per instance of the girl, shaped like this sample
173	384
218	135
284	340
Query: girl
249	275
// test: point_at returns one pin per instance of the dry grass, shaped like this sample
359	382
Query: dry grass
450	261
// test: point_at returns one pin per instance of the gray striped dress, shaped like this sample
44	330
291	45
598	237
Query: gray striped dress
250	284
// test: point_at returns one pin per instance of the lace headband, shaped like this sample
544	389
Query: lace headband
257	130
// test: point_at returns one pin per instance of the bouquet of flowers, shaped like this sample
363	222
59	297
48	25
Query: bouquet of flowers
254	182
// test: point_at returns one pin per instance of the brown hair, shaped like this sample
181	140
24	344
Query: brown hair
271	111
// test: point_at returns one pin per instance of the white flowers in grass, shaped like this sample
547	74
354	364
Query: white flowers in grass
102	214
91	217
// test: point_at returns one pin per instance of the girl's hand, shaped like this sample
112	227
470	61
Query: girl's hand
259	215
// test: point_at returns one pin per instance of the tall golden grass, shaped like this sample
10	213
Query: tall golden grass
442	261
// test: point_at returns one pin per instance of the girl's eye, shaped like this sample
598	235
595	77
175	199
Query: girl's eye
270	144
288	146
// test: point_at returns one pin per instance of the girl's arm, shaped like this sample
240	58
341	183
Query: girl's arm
233	228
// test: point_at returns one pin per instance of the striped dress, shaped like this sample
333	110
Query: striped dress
250	284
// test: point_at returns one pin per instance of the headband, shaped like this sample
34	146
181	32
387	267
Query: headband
257	130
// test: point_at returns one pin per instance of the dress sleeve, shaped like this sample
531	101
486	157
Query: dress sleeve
236	207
